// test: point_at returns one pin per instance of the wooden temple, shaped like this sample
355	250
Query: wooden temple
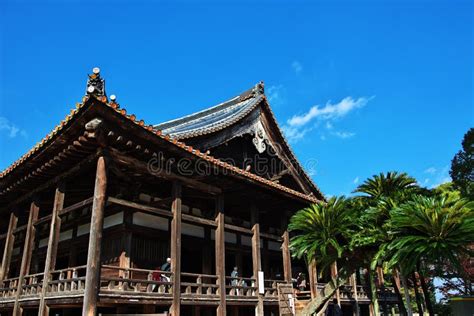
91	213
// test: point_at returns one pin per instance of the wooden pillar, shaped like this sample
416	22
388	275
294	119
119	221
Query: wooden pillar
220	255
27	253
7	251
95	240
125	255
353	282
51	252
176	248
285	248
313	278
256	256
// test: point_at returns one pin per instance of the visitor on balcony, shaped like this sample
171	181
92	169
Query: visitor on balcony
301	281
159	276
234	281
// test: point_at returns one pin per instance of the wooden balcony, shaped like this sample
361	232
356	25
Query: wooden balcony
135	285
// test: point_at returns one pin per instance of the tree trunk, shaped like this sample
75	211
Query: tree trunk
373	293
417	294
396	286
317	305
407	294
426	293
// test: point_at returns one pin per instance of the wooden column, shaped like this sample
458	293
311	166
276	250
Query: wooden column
7	251
313	278
176	248
285	248
256	256
50	261
95	240
27	253
125	255
220	255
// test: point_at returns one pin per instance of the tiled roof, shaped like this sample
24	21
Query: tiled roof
159	133
215	118
223	115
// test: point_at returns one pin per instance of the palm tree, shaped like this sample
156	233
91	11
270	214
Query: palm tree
431	231
323	233
381	194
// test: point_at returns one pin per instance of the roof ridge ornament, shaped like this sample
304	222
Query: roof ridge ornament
95	83
259	89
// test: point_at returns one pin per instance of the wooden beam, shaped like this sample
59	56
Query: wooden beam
239	229
285	248
198	220
256	256
7	251
71	171
140	207
164	174
220	255
50	261
27	254
95	238
176	248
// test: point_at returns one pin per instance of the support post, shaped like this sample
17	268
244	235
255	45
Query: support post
95	240
220	255
51	252
313	278
176	248
256	257
7	251
27	254
285	248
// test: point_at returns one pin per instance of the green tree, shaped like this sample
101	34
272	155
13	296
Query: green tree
431	231
462	166
381	194
323	233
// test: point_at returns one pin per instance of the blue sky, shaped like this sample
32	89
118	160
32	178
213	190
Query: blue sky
360	87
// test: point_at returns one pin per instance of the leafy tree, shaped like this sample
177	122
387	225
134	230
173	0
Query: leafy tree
431	231
381	194
462	166
323	233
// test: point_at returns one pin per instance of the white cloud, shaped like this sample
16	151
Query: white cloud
10	129
296	127
441	176
297	66
329	111
275	94
294	134
343	135
356	180
431	170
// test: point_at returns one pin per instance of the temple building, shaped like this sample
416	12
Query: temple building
91	214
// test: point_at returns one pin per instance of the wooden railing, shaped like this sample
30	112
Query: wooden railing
241	286
32	284
271	287
67	281
8	289
132	280
387	294
199	284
